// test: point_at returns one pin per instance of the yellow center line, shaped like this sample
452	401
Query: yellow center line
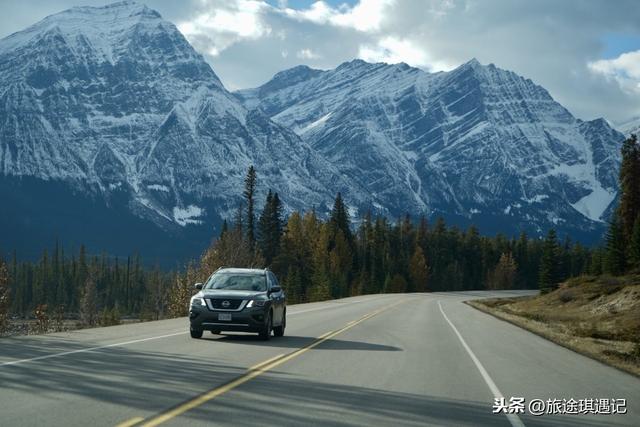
253	372
130	422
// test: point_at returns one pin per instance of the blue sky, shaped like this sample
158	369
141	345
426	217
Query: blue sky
585	53
617	44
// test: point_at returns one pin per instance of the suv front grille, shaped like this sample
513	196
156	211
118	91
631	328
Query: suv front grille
220	303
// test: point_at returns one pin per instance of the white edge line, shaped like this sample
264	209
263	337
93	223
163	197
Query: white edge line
306	311
84	350
513	418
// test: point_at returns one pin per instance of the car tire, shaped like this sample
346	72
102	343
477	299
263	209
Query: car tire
278	331
196	333
265	334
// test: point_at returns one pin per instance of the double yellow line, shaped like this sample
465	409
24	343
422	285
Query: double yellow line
253	372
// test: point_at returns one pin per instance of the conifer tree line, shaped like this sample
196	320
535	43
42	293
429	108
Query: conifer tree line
91	289
621	253
317	259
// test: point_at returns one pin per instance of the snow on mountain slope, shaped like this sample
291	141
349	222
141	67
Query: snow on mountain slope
478	142
115	98
111	107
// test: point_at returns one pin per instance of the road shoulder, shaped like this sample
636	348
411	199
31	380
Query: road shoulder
597	349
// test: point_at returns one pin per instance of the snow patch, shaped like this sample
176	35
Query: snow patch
536	199
158	187
318	123
188	215
593	205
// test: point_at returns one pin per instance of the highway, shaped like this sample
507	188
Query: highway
379	360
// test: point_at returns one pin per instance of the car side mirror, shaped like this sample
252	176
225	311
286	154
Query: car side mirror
198	286
275	289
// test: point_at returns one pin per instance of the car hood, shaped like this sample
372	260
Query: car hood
221	293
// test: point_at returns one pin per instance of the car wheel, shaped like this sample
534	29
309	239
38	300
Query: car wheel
266	332
196	333
278	331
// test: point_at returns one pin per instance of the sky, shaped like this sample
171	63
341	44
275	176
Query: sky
586	53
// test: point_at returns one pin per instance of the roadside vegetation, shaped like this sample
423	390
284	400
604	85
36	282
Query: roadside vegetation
596	316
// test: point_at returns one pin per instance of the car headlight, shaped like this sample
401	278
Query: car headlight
197	302
256	303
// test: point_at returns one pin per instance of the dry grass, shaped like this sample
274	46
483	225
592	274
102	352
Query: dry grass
596	316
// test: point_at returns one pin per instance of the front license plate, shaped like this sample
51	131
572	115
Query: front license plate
224	316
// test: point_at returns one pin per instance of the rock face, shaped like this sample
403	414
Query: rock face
477	144
114	131
114	103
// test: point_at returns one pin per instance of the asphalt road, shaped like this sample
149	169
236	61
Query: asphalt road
380	360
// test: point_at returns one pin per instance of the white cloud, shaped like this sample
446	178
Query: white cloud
393	50
307	54
216	27
365	16
625	70
548	41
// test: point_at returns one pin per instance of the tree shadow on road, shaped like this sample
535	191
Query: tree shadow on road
281	399
295	342
156	381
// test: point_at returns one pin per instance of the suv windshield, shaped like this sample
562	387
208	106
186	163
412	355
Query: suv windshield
237	282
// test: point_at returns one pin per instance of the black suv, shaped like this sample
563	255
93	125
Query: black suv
239	299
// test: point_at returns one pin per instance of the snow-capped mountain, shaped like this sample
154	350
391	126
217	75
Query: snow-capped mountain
114	102
479	144
115	132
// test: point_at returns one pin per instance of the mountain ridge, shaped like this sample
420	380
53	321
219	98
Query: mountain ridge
115	105
325	117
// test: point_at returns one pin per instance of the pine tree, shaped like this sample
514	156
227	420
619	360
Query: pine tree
263	234
249	192
396	284
634	246
504	275
5	302
422	233
615	260
340	264
522	260
596	262
293	285
471	253
270	228
341	247
629	207
418	270
320	279
89	302
339	220
549	264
